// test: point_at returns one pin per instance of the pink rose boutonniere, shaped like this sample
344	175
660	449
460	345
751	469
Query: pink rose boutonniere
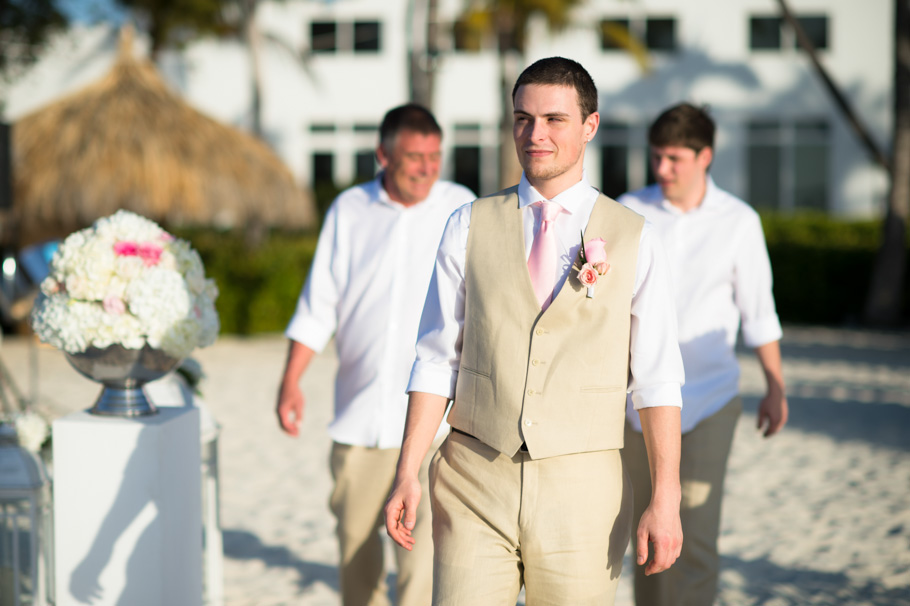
594	263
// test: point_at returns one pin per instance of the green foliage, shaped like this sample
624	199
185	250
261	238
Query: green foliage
176	21
24	26
821	271
258	288
822	267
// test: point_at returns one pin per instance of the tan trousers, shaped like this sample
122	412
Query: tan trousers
558	526
692	581
363	478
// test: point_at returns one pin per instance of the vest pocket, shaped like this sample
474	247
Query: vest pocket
485	375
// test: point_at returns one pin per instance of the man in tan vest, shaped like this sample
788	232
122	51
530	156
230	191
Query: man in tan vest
548	303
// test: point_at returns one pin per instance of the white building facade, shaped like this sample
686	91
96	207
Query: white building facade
330	69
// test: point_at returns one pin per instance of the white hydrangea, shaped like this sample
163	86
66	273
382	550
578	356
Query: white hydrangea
126	281
31	430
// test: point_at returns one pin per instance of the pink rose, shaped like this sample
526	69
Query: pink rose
595	251
126	249
114	305
602	267
587	275
150	253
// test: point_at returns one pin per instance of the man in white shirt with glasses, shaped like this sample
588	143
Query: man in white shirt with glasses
366	288
722	282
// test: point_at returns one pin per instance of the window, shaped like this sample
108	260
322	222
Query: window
323	168
788	164
656	33
660	34
345	36
614	159
764	33
771	33
612	33
366	36
323	37
467	166
364	166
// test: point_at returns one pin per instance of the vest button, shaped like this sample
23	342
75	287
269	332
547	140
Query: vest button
530	392
528	422
539	331
535	362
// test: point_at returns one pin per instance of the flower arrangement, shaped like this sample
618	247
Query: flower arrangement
32	430
125	281
594	263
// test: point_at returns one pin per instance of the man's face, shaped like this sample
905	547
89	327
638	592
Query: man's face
680	171
411	166
550	136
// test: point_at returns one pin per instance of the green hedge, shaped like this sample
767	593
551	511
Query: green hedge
258	287
822	267
821	271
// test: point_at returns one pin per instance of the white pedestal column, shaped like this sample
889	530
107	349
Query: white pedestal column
127	503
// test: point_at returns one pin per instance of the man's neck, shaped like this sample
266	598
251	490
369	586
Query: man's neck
550	188
691	200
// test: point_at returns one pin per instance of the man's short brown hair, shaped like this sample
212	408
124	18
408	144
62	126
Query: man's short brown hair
412	117
559	71
683	125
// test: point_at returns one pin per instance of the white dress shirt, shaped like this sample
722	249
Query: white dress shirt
721	275
367	286
656	367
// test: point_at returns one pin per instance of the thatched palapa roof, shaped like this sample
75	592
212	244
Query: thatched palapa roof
127	141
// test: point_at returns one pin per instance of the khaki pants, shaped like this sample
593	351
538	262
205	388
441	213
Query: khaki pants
558	526
692	581
363	478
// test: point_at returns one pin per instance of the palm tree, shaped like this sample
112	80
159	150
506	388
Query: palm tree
502	24
883	302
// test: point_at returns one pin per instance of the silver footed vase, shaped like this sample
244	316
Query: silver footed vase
123	372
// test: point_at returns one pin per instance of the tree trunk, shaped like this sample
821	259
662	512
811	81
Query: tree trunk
884	302
840	100
254	46
424	50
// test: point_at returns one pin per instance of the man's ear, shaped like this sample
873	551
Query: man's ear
382	157
705	157
592	122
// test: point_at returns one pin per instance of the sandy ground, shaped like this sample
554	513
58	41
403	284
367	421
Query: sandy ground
817	515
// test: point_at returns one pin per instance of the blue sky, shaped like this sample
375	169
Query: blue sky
91	11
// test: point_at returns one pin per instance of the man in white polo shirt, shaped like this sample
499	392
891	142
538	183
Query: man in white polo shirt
366	287
722	279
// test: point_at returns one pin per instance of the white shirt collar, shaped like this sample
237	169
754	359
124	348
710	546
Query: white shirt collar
708	202
570	199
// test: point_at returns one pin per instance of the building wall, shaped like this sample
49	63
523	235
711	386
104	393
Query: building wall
320	109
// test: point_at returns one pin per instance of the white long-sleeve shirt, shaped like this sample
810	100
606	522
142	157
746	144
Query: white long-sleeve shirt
366	287
721	276
656	367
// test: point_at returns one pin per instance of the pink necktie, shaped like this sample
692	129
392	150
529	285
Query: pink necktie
542	260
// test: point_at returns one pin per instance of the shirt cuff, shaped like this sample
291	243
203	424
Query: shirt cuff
309	332
760	331
663	394
434	379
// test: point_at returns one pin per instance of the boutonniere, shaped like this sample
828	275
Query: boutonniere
594	263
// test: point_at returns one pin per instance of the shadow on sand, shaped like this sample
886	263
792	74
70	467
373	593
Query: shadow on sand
767	583
243	545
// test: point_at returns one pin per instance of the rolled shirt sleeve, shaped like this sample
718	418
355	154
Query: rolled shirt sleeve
316	318
753	287
439	338
655	363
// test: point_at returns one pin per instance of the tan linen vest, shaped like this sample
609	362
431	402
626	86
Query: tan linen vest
554	380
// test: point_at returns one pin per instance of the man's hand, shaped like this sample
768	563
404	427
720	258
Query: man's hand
773	411
661	527
290	408
401	511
